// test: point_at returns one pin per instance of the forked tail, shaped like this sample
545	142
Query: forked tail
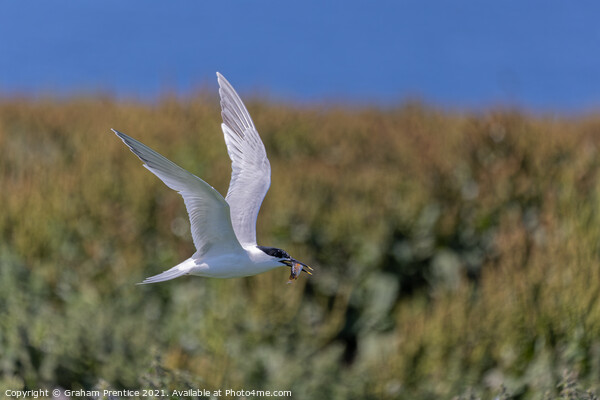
181	269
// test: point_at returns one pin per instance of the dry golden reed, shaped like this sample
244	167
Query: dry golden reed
455	252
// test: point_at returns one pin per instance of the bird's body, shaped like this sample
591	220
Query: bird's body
223	230
245	262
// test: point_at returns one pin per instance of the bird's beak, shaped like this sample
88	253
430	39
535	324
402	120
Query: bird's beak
296	268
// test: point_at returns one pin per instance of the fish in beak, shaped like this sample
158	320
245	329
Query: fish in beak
296	268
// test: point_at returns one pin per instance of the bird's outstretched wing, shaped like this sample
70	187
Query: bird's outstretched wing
208	211
251	171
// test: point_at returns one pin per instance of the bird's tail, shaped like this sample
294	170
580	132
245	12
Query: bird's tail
181	269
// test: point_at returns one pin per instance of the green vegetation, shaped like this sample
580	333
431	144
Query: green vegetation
455	254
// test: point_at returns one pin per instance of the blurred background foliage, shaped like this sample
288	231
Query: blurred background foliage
456	254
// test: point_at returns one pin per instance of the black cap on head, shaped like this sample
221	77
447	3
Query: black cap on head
275	252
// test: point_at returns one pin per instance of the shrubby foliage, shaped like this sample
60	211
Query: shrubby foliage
455	253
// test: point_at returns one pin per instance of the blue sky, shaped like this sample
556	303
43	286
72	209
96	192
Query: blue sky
541	55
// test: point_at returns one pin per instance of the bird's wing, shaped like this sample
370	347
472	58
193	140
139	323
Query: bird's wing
208	211
251	171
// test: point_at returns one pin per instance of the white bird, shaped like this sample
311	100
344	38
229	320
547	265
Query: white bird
223	230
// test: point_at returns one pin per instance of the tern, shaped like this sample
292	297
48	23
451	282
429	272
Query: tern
223	229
